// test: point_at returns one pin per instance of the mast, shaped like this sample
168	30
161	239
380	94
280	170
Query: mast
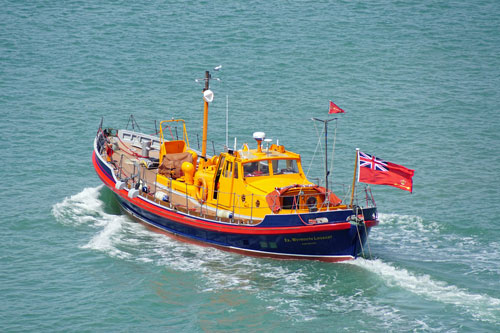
354	177
205	115
208	97
327	172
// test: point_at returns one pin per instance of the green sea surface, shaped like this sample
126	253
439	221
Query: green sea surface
419	84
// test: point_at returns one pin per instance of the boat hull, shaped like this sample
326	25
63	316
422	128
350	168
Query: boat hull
277	236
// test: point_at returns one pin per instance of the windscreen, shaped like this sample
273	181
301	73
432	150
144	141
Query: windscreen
282	167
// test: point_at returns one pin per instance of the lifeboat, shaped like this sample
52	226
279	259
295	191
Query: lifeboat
253	201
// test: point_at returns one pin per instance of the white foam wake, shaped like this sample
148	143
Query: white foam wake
82	208
109	238
86	208
481	307
118	236
411	235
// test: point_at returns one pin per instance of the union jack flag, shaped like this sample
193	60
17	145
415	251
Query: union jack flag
373	170
372	162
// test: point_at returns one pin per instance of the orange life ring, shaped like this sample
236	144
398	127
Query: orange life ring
201	189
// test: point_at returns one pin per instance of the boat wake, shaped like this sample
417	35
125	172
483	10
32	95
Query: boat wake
286	287
120	236
82	208
300	291
480	307
415	239
85	208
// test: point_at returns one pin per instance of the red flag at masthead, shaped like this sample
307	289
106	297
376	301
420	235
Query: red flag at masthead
334	108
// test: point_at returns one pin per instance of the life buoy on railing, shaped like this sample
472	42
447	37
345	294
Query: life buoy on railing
201	189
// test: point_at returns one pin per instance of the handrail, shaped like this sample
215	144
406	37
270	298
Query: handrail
237	199
240	208
184	131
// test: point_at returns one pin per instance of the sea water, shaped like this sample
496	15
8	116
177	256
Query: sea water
419	83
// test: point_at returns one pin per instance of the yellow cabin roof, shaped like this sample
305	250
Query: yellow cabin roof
275	152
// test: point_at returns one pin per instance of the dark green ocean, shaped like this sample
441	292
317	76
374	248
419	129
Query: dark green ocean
419	81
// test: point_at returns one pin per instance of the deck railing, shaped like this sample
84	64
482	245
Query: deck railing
243	208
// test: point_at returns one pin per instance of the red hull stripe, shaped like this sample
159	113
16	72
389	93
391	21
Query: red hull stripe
203	224
371	223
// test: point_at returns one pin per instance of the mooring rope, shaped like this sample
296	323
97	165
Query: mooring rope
366	232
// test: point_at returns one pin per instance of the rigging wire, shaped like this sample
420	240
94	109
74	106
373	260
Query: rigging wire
319	145
333	149
316	150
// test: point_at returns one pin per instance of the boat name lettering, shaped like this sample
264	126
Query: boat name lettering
307	239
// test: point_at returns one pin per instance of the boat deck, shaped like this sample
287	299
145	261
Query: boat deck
130	166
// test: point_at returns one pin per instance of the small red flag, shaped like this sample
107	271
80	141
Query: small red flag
373	170
334	108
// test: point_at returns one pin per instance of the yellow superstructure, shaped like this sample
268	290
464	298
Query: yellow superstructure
247	183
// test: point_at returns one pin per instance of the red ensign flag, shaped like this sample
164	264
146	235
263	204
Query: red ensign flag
373	170
334	108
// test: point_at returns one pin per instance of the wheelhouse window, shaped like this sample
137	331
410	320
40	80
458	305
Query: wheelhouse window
256	169
228	170
236	167
283	167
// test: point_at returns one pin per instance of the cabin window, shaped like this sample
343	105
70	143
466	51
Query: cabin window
236	167
221	164
282	167
219	173
256	169
228	171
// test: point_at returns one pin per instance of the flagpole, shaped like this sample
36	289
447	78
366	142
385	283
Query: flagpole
354	177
